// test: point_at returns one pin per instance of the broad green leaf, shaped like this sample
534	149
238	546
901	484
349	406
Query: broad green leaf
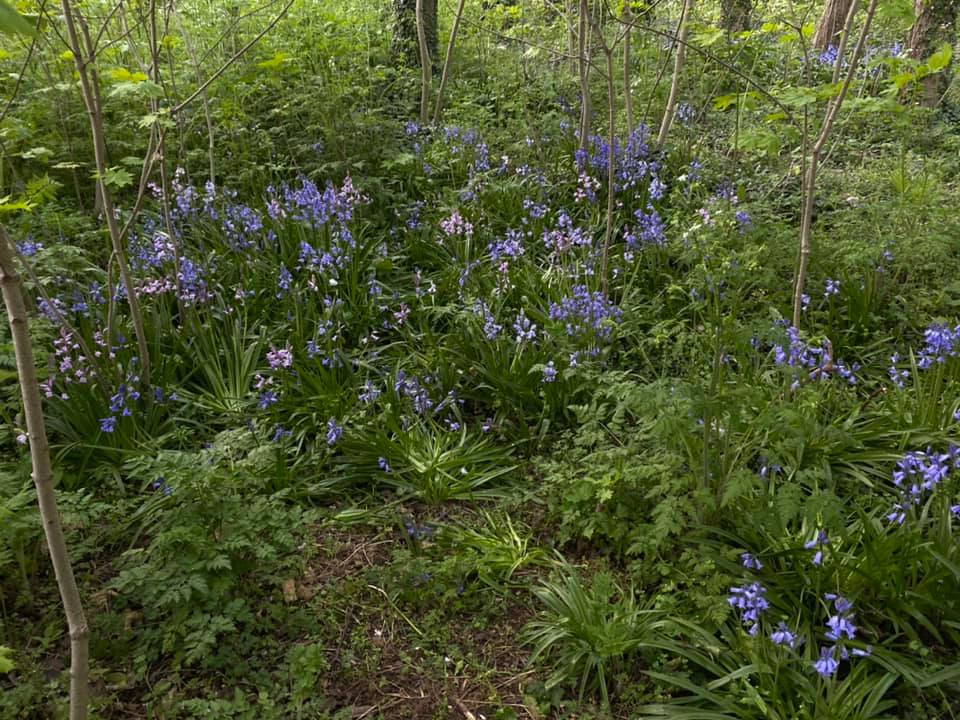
6	662
123	75
758	140
940	59
724	102
146	88
797	97
871	104
13	23
277	62
904	78
116	177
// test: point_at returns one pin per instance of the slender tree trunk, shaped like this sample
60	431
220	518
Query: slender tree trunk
208	116
43	480
831	23
447	62
611	169
935	25
810	180
425	74
628	67
681	53
90	89
586	106
571	10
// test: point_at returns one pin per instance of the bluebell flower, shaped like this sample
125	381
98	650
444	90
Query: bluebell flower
549	372
384	465
267	398
783	636
751	601
108	424
840	624
334	432
827	665
685	113
832	288
751	561
526	331
29	248
818	542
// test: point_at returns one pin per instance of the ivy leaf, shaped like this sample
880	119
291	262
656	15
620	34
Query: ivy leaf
13	23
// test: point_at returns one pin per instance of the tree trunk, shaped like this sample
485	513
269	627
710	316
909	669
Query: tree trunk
735	15
810	180
935	25
405	43
425	75
628	67
445	75
43	480
681	52
583	50
84	57
831	23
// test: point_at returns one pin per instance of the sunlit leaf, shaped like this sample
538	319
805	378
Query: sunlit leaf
13	23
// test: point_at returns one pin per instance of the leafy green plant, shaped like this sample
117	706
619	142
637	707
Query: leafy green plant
498	550
586	633
205	557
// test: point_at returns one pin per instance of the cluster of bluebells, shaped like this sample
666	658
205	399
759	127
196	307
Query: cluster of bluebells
161	486
940	342
418	532
840	630
751	603
565	236
71	365
634	165
122	403
897	376
649	230
586	315
828	57
917	475
818	361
